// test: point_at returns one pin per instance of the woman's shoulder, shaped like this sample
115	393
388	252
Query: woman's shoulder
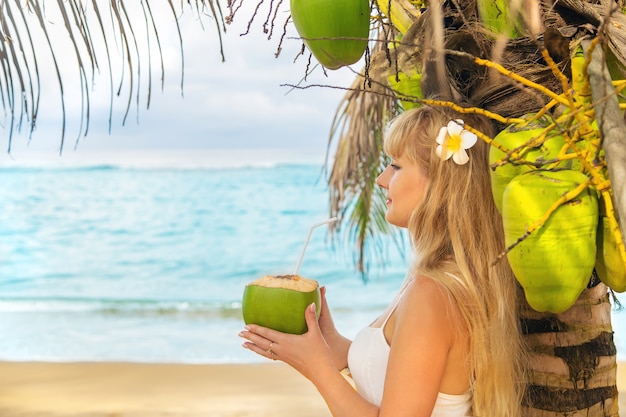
426	298
428	289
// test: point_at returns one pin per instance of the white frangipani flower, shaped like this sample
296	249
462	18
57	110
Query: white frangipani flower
453	140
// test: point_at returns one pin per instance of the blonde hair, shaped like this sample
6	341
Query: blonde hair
457	235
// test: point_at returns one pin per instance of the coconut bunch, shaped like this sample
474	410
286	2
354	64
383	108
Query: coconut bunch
550	175
550	179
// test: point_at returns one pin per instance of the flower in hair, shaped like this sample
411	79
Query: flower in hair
453	140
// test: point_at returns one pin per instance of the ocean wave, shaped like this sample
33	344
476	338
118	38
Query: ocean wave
145	307
122	307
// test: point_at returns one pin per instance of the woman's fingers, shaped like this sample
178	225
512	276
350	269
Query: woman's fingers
324	310
311	319
255	338
269	343
264	332
302	352
261	340
323	305
268	353
325	321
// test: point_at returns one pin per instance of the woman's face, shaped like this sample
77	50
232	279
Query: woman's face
405	183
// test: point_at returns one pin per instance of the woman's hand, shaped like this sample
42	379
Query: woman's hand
306	353
310	355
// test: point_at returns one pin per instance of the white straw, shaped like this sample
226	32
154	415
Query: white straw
306	243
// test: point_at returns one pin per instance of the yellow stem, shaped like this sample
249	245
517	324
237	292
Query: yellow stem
473	110
515	155
582	98
543	111
557	72
568	196
619	85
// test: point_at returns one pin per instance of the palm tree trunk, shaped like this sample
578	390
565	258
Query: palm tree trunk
572	359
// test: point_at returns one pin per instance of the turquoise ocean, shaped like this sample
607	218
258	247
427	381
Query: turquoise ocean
144	256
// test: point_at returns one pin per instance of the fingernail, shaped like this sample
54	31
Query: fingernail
312	307
246	327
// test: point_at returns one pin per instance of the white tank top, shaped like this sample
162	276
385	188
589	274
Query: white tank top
367	361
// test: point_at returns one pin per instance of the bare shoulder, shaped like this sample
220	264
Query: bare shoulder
428	303
428	321
428	291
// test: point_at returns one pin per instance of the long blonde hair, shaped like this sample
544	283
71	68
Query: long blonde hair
457	235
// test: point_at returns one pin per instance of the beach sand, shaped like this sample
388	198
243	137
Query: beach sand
155	390
31	389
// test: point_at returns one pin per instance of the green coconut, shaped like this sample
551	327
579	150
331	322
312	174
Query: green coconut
335	31
279	302
555	262
407	86
512	138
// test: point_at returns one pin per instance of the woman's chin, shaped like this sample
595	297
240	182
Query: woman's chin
391	219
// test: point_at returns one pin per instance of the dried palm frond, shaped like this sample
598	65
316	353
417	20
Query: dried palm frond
587	15
358	124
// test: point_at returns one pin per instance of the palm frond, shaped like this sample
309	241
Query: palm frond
354	196
33	30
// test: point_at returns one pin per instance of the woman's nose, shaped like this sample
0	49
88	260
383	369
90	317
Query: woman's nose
381	180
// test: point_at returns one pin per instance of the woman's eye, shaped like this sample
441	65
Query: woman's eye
394	167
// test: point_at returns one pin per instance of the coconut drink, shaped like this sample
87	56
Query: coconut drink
279	302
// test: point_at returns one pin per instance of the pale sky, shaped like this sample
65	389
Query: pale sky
235	104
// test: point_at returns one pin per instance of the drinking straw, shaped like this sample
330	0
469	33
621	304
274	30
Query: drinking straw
306	243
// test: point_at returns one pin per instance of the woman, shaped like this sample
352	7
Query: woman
449	344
